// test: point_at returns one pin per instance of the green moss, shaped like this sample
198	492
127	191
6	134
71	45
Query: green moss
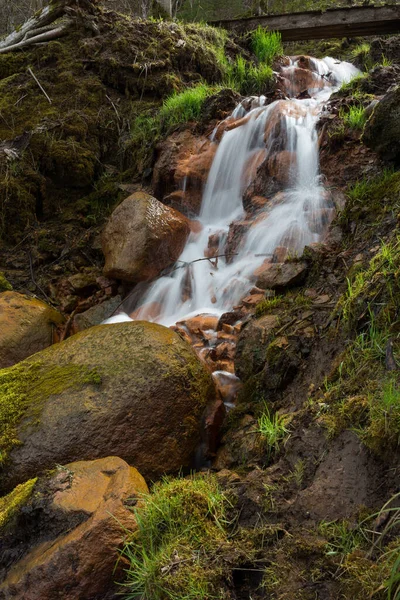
5	286
26	386
10	504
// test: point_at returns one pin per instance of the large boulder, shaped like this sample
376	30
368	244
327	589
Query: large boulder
142	237
62	539
27	325
382	130
134	390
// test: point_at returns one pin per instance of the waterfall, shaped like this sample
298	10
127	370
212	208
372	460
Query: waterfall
283	133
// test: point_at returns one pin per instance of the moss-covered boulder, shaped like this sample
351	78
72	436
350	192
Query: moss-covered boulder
142	237
382	130
62	538
27	325
134	390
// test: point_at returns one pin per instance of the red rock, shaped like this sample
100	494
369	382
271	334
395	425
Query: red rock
280	254
263	268
227	328
213	249
253	299
252	166
177	147
281	166
200	323
256	203
146	312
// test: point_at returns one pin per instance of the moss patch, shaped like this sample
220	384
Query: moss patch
10	504
5	286
29	385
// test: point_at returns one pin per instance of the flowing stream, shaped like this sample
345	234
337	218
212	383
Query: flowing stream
296	215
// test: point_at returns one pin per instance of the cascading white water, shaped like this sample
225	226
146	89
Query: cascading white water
292	218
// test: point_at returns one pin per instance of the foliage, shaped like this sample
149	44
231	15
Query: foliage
172	554
266	45
273	429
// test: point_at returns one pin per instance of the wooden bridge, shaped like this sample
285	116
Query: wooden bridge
316	24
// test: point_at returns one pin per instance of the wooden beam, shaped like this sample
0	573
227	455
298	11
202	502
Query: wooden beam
315	25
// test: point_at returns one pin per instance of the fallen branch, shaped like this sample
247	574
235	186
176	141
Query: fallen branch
39	84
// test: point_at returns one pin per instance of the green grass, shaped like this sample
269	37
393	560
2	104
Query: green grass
268	304
173	553
273	429
185	106
342	538
353	85
247	78
354	117
266	45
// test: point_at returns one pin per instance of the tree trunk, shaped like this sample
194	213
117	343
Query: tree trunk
39	29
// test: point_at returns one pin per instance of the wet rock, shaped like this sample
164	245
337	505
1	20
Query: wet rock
65	540
134	390
380	79
196	167
239	446
382	130
178	147
27	325
250	350
95	315
142	237
296	80
281	276
282	166
229	318
201	323
220	105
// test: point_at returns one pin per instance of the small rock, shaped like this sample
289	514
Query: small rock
281	276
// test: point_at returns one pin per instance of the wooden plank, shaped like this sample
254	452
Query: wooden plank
332	23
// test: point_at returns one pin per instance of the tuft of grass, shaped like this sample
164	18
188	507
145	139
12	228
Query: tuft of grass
273	429
268	304
353	85
266	45
247	78
341	537
354	117
172	554
185	106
